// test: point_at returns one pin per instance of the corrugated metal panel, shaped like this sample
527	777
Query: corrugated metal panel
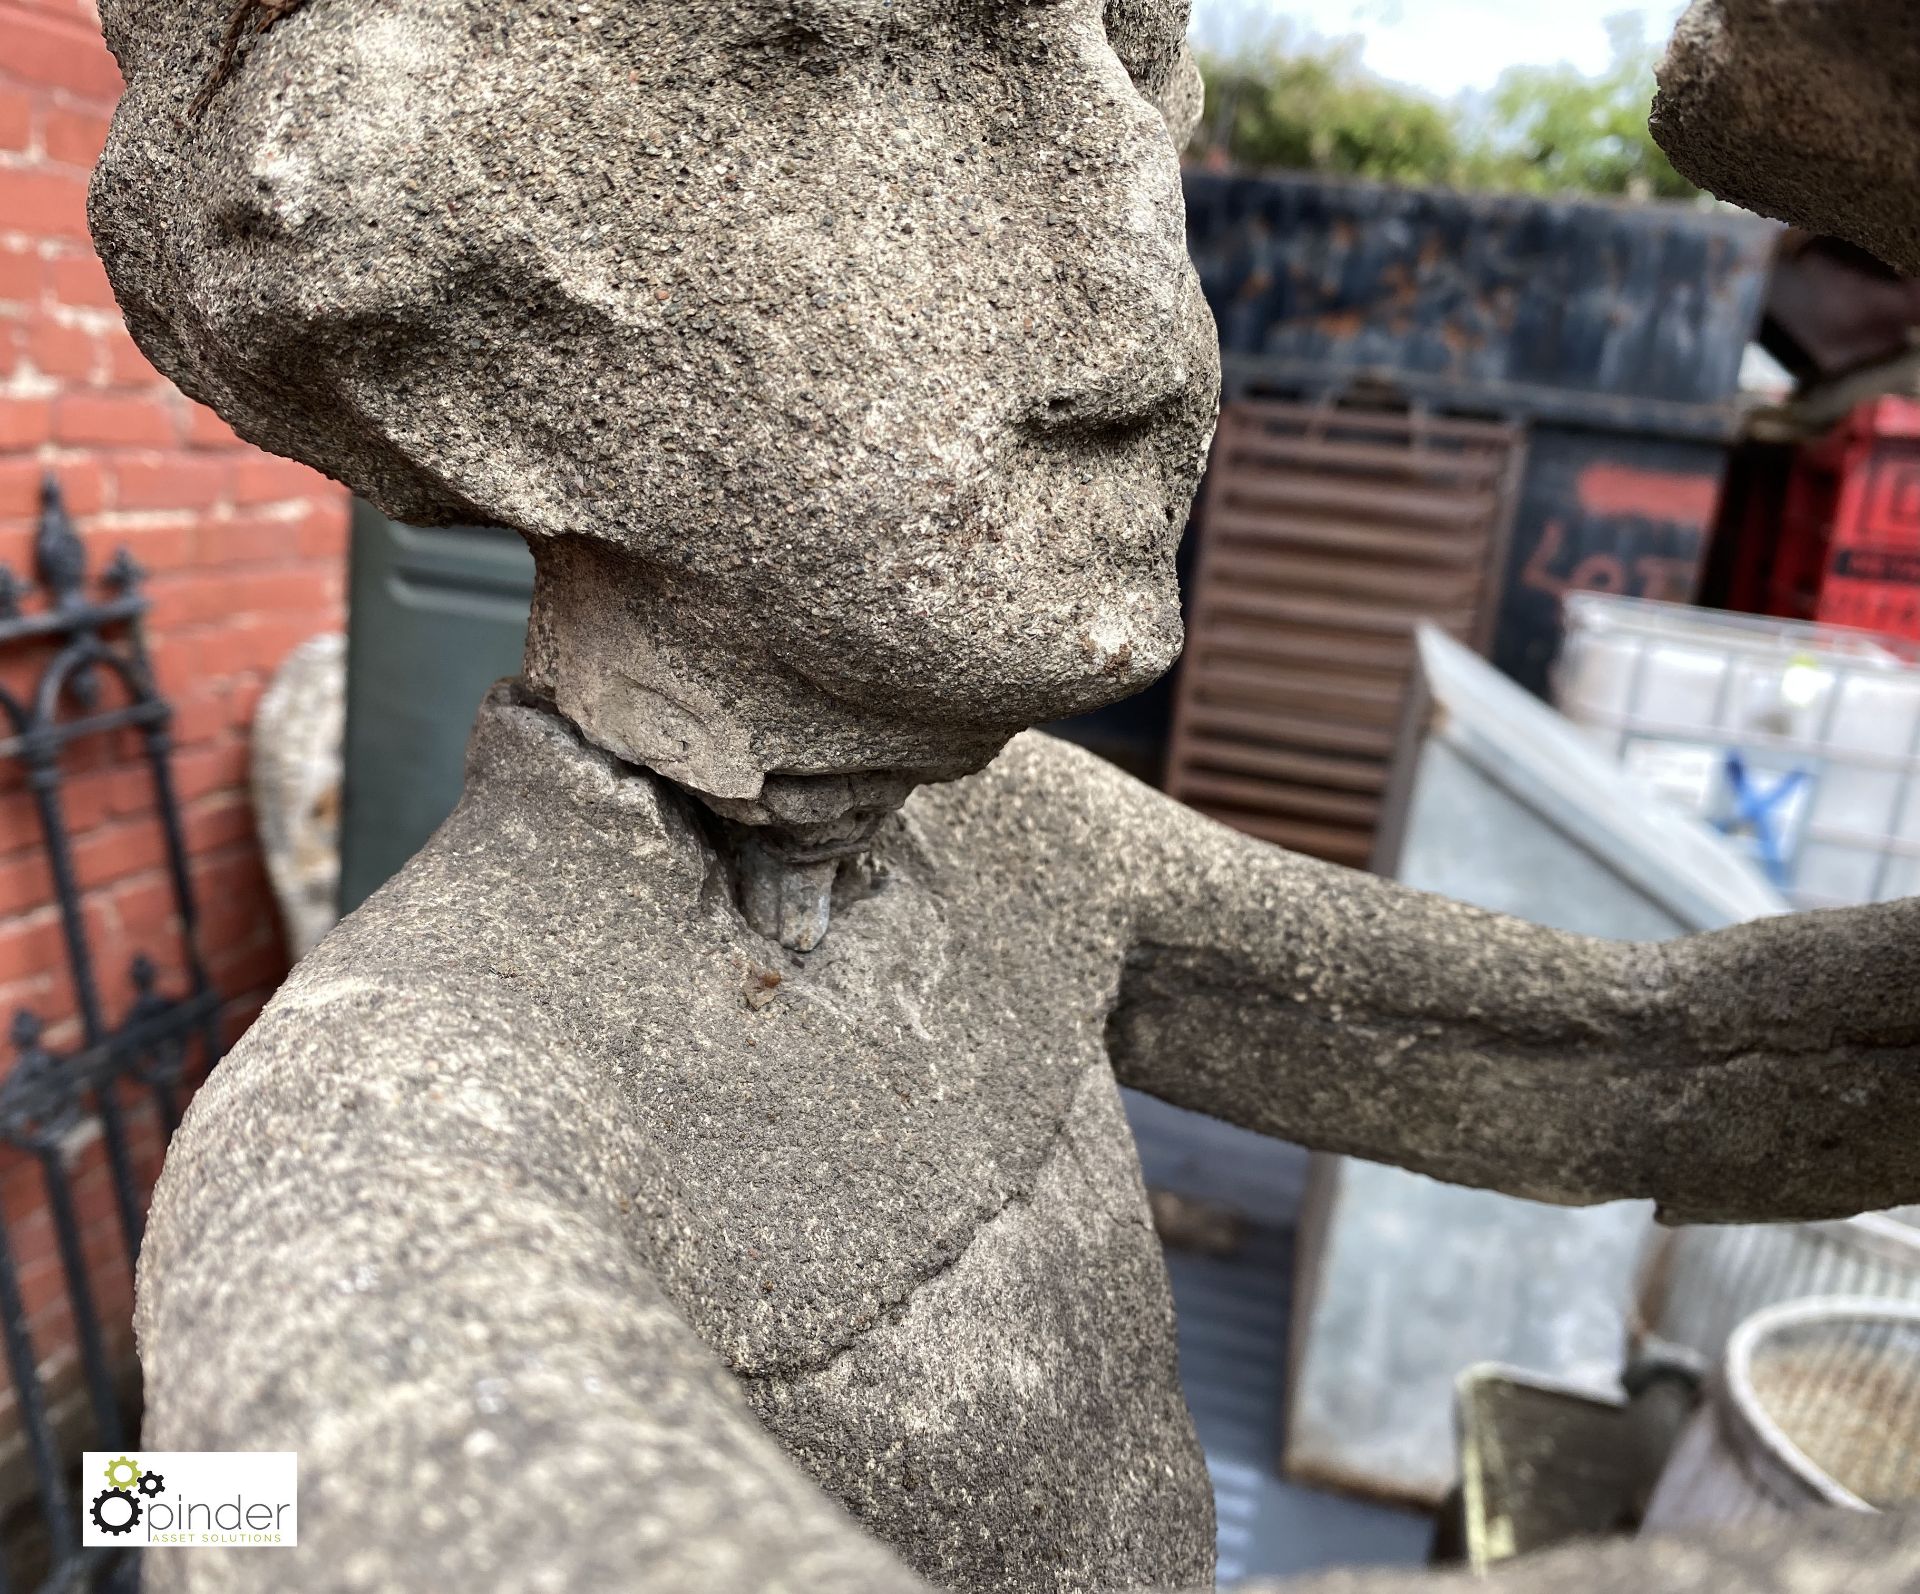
1326	534
1234	1311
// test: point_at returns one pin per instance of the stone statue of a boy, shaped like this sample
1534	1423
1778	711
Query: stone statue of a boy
702	1168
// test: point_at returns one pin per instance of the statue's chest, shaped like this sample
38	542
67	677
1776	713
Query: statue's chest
838	1140
988	1344
895	1190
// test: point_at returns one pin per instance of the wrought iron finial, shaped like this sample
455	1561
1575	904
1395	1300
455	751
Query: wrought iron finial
123	572
38	1103
26	1030
59	559
12	590
160	1063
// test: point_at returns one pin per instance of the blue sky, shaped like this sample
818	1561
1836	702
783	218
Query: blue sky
1446	46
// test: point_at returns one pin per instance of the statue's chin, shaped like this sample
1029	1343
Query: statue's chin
1122	651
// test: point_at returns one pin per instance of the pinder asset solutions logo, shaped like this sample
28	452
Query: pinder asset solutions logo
188	1499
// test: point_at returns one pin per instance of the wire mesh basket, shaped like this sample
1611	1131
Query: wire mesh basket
1817	1403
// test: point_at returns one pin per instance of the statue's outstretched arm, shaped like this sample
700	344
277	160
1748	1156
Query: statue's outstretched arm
1767	1071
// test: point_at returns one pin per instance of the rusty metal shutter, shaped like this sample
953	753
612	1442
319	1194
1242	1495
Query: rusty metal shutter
1325	534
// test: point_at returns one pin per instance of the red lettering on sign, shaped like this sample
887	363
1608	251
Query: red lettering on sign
1608	490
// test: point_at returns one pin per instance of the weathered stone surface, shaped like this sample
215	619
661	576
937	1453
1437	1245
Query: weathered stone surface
839	358
547	1168
545	1151
841	362
1804	110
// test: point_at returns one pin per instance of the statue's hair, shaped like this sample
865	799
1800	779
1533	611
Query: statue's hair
225	344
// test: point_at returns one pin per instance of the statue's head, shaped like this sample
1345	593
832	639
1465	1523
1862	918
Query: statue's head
840	359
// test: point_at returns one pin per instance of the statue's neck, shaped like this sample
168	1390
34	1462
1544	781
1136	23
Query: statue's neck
783	878
657	681
796	781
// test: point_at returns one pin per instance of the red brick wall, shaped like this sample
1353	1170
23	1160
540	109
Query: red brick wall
246	559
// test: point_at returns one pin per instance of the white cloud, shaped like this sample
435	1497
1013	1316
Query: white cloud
1446	46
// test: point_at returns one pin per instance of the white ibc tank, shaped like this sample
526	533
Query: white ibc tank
1799	741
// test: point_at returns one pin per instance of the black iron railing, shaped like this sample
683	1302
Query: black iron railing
96	681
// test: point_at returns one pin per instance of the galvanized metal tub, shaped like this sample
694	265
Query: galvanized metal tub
1698	1284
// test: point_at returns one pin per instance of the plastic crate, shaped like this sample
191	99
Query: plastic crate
1849	549
1802	742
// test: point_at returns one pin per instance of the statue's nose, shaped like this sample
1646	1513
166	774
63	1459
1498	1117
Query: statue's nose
1134	377
1123	332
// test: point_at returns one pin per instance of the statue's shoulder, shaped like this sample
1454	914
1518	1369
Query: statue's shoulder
1045	772
409	984
557	874
411	1033
1046	787
1048	807
1049	810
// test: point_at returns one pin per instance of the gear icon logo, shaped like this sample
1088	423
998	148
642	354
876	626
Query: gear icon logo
115	1511
121	1507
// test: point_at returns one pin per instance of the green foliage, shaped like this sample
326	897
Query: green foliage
1286	102
1314	108
1560	132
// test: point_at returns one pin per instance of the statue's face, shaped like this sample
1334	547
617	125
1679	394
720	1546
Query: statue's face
857	335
